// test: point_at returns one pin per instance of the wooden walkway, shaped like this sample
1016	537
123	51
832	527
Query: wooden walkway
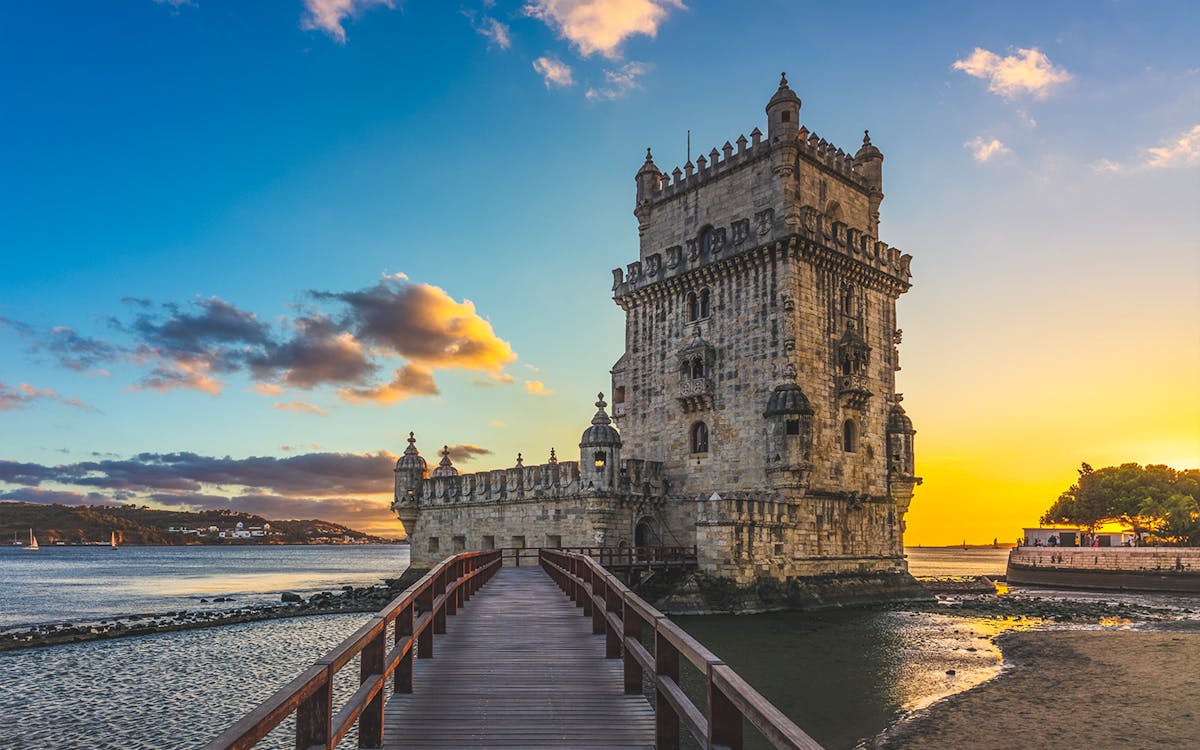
518	667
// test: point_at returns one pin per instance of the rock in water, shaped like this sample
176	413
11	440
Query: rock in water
289	596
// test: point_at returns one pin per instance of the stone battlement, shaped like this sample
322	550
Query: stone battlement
560	479
718	163
750	232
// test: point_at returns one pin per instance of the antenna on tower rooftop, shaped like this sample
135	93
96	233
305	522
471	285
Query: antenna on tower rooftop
689	147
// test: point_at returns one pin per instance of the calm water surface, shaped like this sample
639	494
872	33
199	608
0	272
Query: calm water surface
86	583
843	676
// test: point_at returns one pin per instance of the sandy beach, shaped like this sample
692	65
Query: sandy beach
1072	689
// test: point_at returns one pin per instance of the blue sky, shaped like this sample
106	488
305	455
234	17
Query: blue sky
172	153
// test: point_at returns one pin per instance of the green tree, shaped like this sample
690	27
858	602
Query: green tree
1175	519
1154	498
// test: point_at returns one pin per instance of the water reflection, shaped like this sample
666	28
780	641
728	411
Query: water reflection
845	676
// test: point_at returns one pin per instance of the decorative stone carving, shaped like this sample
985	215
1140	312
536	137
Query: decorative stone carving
653	264
693	249
618	278
741	230
674	256
763	220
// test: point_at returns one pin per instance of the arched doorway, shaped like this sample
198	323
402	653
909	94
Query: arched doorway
644	534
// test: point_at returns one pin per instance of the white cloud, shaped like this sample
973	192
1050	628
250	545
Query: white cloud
984	150
327	15
1105	165
602	25
1181	151
1028	71
495	31
554	71
300	407
619	82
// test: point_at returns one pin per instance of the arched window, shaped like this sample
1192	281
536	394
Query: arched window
847	300
849	436
704	295
693	306
706	237
697	368
699	438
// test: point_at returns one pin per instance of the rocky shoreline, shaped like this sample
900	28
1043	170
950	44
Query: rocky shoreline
349	600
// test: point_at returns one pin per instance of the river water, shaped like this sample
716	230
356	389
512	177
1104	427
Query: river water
843	676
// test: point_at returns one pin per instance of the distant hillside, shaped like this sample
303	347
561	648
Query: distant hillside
84	524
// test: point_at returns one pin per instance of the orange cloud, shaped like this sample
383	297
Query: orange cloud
602	25
410	380
328	15
554	72
1028	71
537	388
300	407
267	389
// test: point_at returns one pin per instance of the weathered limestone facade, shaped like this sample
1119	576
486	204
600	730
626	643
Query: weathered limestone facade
756	395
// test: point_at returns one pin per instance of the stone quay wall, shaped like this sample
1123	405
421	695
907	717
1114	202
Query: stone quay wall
1135	559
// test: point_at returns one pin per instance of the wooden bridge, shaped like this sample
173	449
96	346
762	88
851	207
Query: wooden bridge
519	667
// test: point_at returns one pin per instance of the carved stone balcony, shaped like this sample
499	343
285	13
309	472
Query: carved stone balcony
695	393
853	391
618	410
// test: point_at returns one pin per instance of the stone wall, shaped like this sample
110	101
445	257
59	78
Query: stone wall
1144	559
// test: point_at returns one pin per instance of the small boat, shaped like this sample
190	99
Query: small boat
114	540
33	545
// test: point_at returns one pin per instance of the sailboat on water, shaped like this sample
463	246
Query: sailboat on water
33	545
114	540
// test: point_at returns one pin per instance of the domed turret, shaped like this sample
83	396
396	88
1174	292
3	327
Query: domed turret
788	444
647	179
869	163
900	442
600	451
411	471
788	399
783	112
445	468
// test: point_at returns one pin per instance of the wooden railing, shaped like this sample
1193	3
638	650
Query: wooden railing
624	619
414	618
609	557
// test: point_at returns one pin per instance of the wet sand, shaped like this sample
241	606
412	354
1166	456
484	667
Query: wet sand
1072	689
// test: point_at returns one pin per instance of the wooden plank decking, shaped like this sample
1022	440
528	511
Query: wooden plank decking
518	666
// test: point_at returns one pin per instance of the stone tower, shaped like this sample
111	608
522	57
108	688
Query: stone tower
760	355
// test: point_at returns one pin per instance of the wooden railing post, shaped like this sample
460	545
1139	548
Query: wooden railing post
632	623
724	719
404	670
452	576
314	716
666	720
371	664
439	590
425	640
612	638
599	587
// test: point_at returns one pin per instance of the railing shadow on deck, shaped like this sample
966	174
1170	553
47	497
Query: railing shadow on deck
623	618
414	617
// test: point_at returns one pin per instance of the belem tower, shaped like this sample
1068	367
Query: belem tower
754	412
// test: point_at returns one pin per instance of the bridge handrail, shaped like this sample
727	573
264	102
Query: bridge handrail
610	556
622	617
440	592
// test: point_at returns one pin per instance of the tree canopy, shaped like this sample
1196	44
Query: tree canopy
1156	499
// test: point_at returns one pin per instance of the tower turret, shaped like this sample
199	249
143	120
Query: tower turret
869	163
411	471
600	452
789	418
900	443
445	467
783	113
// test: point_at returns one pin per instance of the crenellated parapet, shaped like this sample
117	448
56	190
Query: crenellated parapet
819	235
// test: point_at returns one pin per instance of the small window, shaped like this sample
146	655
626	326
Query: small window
793	426
697	368
849	436
787	116
847	300
458	543
619	394
699	438
704	296
489	542
433	544
554	540
706	240
693	306
599	459
518	542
